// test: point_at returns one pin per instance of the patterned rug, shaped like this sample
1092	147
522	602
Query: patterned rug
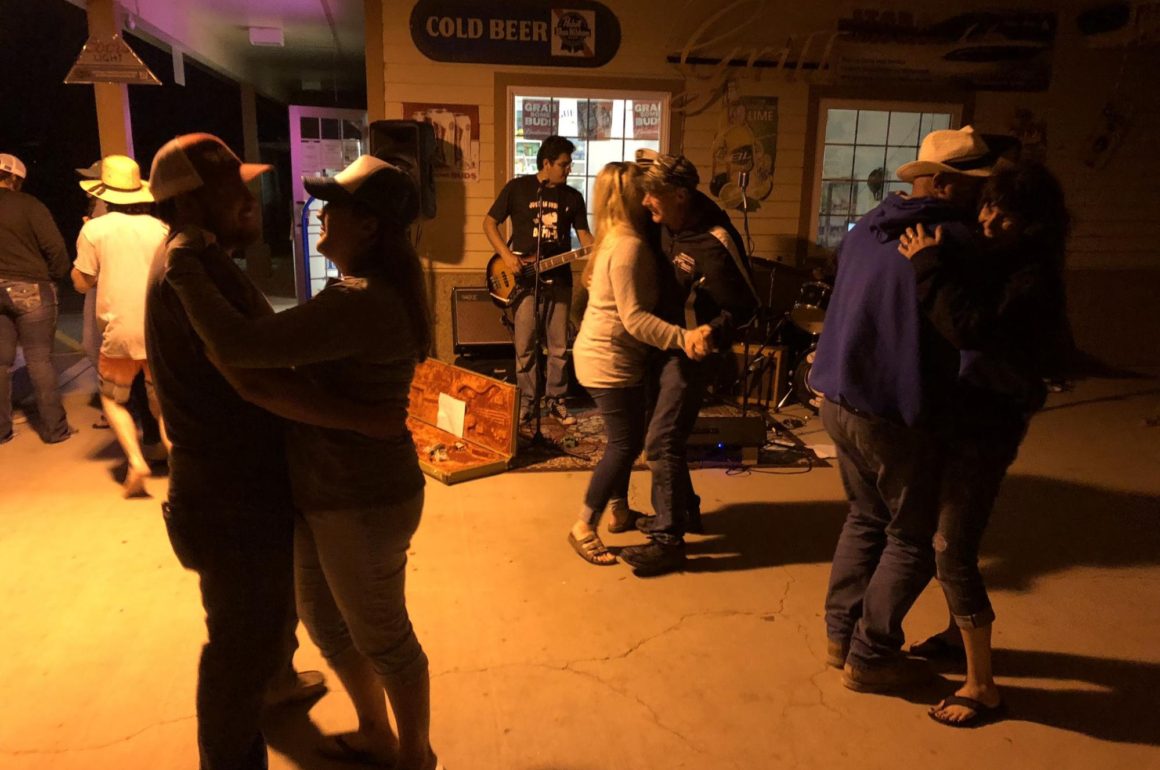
579	447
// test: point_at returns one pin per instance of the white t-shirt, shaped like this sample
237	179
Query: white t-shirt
117	249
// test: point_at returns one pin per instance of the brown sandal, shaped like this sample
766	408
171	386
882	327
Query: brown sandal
592	550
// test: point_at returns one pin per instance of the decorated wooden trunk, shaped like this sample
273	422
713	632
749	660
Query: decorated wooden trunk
463	423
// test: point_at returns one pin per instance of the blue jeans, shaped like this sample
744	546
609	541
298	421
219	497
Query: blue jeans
975	468
28	313
883	560
679	389
243	557
624	413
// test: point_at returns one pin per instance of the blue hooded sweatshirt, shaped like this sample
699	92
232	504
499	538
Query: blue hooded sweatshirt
878	353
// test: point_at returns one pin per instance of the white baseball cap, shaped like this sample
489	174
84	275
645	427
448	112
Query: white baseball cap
13	165
385	189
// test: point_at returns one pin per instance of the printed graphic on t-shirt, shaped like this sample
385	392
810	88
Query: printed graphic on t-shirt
546	222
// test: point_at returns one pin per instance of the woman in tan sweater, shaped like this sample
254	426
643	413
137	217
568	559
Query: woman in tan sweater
611	351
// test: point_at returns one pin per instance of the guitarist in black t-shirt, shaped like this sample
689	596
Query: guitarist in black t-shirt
543	210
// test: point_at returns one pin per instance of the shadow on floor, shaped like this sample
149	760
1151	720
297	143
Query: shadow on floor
1040	526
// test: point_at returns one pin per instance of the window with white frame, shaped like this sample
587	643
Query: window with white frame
604	125
860	146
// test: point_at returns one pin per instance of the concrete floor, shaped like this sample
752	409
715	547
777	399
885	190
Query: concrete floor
542	662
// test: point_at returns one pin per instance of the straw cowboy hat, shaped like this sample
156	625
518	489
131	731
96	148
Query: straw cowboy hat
953	151
120	182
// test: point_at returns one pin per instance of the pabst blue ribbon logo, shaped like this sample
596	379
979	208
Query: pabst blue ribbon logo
573	33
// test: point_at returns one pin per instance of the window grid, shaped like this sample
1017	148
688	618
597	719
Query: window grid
591	154
851	186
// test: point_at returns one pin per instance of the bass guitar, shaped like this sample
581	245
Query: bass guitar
506	287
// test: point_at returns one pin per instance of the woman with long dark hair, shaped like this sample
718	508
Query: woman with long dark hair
360	498
1004	309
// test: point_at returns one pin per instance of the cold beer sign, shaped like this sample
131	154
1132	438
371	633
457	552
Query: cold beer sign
578	34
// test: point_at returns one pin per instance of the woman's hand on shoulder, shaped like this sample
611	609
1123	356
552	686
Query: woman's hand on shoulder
916	238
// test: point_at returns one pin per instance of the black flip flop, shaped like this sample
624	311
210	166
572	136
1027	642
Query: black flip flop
339	749
983	714
938	648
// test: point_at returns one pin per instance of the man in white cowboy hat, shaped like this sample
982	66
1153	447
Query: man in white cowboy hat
32	258
114	253
887	375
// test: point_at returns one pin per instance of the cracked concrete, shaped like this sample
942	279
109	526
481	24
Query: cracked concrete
541	662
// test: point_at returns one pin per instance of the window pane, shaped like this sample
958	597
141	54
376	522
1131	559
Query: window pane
840	126
897	187
600	153
904	128
838	162
934	121
835	198
896	156
872	126
865	197
867	160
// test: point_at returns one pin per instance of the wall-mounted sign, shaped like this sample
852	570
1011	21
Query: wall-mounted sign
109	59
539	118
1005	50
575	33
744	151
646	119
456	137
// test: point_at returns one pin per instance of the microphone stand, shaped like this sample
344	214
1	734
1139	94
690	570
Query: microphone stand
541	308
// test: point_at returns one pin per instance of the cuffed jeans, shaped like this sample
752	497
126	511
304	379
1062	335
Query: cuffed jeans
679	388
244	559
28	311
625	417
975	468
557	299
350	571
883	559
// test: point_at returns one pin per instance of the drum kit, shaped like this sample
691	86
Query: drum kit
797	331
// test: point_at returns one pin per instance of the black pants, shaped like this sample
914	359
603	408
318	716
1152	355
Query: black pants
244	558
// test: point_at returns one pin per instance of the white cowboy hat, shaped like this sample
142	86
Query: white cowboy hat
120	182
953	151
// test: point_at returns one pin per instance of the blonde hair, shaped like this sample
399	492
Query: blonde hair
617	200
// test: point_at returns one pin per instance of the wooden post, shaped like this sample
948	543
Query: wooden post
114	123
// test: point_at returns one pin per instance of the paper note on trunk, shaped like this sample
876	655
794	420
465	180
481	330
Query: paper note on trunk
451	414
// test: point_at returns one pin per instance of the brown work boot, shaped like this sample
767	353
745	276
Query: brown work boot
898	675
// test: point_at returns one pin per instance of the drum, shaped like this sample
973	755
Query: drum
809	311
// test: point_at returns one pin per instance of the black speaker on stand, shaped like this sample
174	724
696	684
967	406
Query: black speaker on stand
409	145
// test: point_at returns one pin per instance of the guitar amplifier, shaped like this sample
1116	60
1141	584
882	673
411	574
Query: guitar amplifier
477	324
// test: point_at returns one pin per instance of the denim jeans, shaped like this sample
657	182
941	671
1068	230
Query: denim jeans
883	560
678	390
244	559
557	299
350	570
975	468
28	312
625	416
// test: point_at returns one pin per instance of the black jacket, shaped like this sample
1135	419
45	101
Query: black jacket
700	262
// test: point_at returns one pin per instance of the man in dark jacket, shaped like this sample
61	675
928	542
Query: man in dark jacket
705	286
32	258
886	374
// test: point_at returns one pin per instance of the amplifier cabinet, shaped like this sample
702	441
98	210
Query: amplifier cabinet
478	323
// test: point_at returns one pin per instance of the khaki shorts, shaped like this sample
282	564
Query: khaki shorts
115	377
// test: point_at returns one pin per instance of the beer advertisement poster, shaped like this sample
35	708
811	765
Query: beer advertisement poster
744	152
456	137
